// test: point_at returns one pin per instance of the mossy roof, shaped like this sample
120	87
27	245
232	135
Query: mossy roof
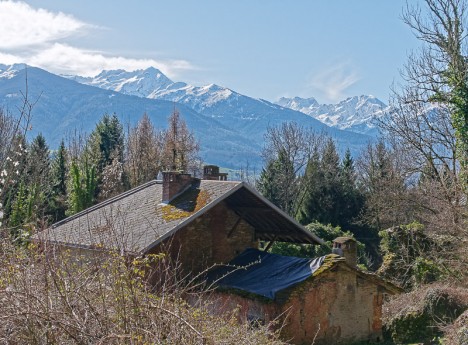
137	220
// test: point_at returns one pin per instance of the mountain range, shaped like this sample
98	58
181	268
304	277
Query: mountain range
229	125
356	114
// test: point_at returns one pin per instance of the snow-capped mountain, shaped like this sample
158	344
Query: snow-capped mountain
10	71
152	83
357	114
245	114
139	83
230	126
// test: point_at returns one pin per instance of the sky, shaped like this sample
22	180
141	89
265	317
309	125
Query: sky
329	50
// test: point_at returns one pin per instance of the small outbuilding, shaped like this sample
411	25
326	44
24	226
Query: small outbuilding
325	300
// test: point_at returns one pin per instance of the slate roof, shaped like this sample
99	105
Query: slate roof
137	220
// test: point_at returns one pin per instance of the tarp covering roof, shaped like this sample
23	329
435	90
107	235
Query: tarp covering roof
262	273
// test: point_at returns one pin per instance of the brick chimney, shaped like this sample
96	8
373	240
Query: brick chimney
175	183
346	247
211	172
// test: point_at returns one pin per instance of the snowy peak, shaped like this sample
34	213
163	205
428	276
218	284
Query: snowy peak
298	103
141	83
357	114
10	71
152	83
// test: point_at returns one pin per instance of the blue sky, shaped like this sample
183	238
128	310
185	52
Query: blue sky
329	49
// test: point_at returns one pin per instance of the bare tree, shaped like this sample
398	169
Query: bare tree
13	130
429	123
143	152
181	148
288	148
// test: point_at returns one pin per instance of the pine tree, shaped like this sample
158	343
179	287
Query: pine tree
59	184
310	203
107	141
105	144
322	188
278	182
83	187
352	200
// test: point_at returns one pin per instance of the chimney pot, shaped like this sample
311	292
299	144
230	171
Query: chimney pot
211	172
346	247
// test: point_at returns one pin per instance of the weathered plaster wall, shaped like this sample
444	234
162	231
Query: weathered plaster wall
336	307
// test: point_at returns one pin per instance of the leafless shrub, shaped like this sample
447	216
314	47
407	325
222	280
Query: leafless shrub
58	297
424	313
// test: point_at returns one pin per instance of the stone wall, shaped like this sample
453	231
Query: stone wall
215	237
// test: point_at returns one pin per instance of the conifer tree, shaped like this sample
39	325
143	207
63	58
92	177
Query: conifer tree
278	181
83	186
180	145
59	184
107	141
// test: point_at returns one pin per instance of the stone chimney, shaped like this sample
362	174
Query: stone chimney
175	183
346	247
211	172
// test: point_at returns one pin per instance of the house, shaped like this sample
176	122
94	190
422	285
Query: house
214	221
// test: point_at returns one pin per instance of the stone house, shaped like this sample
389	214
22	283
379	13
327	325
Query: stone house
209	221
326	300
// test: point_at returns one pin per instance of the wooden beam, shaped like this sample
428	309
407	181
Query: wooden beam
234	227
270	244
251	209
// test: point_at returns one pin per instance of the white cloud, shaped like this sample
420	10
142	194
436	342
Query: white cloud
334	80
63	59
38	37
23	26
9	59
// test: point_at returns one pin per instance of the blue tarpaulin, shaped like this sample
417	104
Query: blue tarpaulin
263	273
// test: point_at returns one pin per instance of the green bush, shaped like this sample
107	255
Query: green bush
327	233
408	256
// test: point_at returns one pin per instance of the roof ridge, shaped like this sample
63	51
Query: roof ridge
106	202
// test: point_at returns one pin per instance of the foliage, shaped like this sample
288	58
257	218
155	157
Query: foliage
106	142
275	181
287	150
330	193
457	333
59	173
408	256
83	187
327	233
